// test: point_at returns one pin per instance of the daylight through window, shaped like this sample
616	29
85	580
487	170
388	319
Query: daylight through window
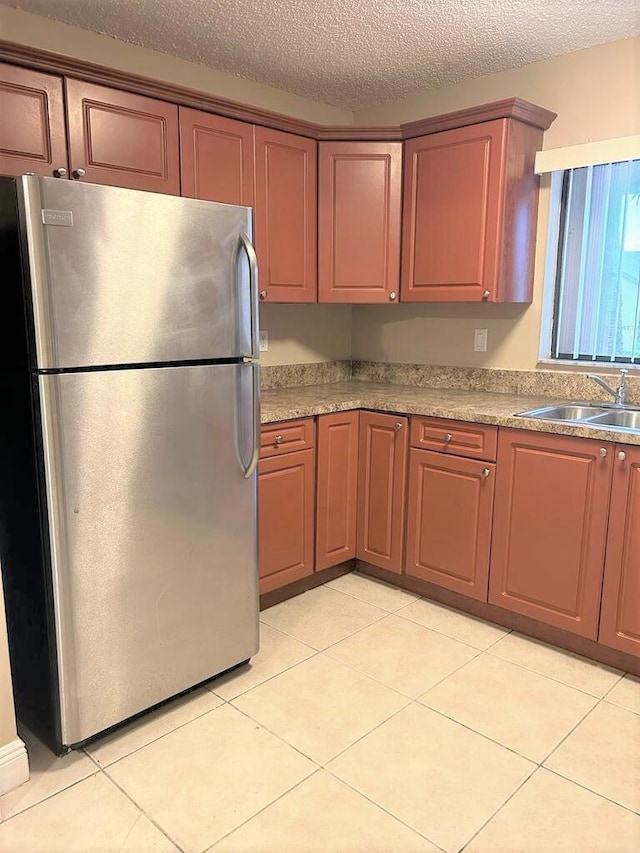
597	288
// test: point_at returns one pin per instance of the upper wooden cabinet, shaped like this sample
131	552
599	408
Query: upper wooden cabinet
382	471
549	528
216	158
359	207
121	139
32	134
470	208
286	216
620	615
337	485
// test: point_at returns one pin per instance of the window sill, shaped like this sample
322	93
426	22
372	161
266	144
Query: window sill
586	366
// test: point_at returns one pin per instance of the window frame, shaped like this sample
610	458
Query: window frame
558	188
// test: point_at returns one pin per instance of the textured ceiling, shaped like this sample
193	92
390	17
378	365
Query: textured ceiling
353	53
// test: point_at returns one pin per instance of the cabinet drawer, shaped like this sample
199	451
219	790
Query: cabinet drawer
477	441
286	436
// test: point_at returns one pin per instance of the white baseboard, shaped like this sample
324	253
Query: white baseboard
14	765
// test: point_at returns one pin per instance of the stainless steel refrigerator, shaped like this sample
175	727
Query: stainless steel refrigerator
128	497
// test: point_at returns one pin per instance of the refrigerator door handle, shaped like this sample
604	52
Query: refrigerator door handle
253	464
255	401
247	245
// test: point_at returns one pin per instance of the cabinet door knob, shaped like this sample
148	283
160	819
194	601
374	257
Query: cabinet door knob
392	295
399	425
278	439
486	472
486	294
448	437
60	173
79	173
622	455
603	452
263	294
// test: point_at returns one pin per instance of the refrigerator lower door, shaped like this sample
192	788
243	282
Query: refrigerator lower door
153	528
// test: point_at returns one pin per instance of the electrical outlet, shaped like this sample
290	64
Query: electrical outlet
264	340
480	340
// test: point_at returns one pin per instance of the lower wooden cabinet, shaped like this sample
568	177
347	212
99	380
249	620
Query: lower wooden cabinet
382	463
449	515
550	526
337	487
620	615
286	497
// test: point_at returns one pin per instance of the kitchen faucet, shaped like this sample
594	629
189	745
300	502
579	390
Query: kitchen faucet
620	393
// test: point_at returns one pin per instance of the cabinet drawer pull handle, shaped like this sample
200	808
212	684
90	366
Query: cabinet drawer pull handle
79	173
486	472
392	295
278	440
263	294
486	294
622	456
60	173
399	425
448	437
603	452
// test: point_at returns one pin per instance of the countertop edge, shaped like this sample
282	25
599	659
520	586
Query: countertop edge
484	407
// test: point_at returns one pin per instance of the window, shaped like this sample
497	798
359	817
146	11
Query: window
596	246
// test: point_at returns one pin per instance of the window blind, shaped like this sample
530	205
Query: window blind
597	297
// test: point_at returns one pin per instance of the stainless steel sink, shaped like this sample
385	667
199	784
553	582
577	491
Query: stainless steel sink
600	416
568	412
620	418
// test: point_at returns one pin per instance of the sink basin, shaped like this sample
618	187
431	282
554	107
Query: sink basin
623	419
590	415
568	412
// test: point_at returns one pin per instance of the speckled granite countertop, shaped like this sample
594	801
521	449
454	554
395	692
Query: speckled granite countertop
484	407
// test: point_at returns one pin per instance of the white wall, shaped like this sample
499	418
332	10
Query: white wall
596	93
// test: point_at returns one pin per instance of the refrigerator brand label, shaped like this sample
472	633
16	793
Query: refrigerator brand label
57	217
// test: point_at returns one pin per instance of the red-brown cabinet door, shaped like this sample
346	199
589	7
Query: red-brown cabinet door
337	486
121	139
286	514
449	515
382	464
32	134
286	216
549	528
359	196
453	185
216	158
620	614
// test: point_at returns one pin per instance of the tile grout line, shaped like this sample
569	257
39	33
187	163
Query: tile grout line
263	809
160	829
276	735
155	739
385	615
99	768
591	790
550	677
569	733
382	808
499	809
315	653
49	796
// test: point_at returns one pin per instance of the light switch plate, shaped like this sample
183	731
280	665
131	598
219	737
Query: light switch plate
264	340
480	340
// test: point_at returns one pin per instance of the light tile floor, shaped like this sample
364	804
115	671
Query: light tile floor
371	721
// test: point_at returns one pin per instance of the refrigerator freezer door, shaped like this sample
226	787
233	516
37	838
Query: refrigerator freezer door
153	534
126	277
